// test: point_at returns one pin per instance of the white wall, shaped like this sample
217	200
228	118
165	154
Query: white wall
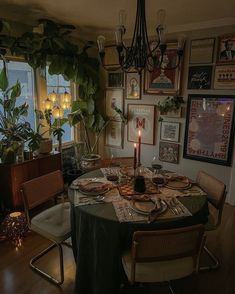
186	166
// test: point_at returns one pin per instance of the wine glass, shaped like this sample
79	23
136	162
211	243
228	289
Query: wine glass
155	165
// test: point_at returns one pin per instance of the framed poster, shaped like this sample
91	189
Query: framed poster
199	77
114	98
115	79
114	134
111	57
209	128
170	131
141	117
169	152
162	80
226	49
224	77
202	50
133	86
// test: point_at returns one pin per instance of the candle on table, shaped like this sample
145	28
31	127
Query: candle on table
139	146
135	156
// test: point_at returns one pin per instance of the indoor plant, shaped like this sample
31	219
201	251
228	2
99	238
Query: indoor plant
14	130
170	104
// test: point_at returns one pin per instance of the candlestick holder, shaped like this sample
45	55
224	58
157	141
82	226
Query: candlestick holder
139	181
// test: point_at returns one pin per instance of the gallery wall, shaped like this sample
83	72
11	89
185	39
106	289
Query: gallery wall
185	166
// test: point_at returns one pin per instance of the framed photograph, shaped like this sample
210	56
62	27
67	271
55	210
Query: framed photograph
199	77
209	131
111	57
224	77
169	152
170	131
163	80
226	49
202	50
115	79
133	86
114	98
141	117
114	134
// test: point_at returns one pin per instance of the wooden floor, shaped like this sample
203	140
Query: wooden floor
17	277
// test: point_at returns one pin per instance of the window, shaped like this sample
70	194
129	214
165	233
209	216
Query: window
22	72
59	85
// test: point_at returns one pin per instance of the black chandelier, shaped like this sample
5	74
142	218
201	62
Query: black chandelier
141	54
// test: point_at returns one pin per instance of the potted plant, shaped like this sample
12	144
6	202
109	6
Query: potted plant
94	124
170	104
14	130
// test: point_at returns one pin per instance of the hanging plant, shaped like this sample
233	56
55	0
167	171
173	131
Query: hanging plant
170	104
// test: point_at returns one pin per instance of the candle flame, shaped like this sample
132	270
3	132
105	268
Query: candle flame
135	145
139	133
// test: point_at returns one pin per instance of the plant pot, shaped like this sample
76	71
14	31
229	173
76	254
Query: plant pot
90	162
28	155
45	146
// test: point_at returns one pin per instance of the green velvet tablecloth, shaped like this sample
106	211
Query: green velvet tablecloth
98	240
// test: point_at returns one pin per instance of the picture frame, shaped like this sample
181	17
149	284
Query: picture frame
170	131
169	152
141	117
113	97
224	77
202	51
199	77
161	81
209	131
114	134
111	59
133	86
115	79
226	49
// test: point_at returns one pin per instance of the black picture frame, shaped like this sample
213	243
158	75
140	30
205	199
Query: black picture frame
209	131
115	79
199	77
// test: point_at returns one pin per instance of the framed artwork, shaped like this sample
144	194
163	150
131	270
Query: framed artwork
209	131
169	152
111	57
162	80
199	77
133	86
114	98
226	49
224	77
202	50
141	117
114	134
115	79
170	131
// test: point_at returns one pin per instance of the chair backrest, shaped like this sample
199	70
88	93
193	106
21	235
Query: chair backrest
118	161
214	188
42	189
152	246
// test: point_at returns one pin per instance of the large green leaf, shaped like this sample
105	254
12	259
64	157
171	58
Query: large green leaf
3	79
16	90
79	105
90	105
90	119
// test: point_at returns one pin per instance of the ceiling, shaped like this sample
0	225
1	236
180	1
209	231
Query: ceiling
94	17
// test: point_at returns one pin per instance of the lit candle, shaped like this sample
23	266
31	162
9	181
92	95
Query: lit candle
139	146
135	156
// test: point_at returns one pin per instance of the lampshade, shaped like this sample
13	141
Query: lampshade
52	96
66	97
15	227
58	112
48	104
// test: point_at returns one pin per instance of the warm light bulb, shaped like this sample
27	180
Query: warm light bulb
52	96
58	112
66	97
101	43
48	104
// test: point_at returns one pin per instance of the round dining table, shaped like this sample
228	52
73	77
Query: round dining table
99	239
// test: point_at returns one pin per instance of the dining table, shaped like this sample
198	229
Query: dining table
99	239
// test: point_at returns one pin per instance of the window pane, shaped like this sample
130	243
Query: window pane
22	72
58	84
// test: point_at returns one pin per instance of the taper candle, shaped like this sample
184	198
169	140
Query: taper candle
135	156
139	146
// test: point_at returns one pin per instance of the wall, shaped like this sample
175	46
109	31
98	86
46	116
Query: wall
185	166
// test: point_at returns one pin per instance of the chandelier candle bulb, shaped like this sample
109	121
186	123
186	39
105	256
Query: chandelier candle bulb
139	146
